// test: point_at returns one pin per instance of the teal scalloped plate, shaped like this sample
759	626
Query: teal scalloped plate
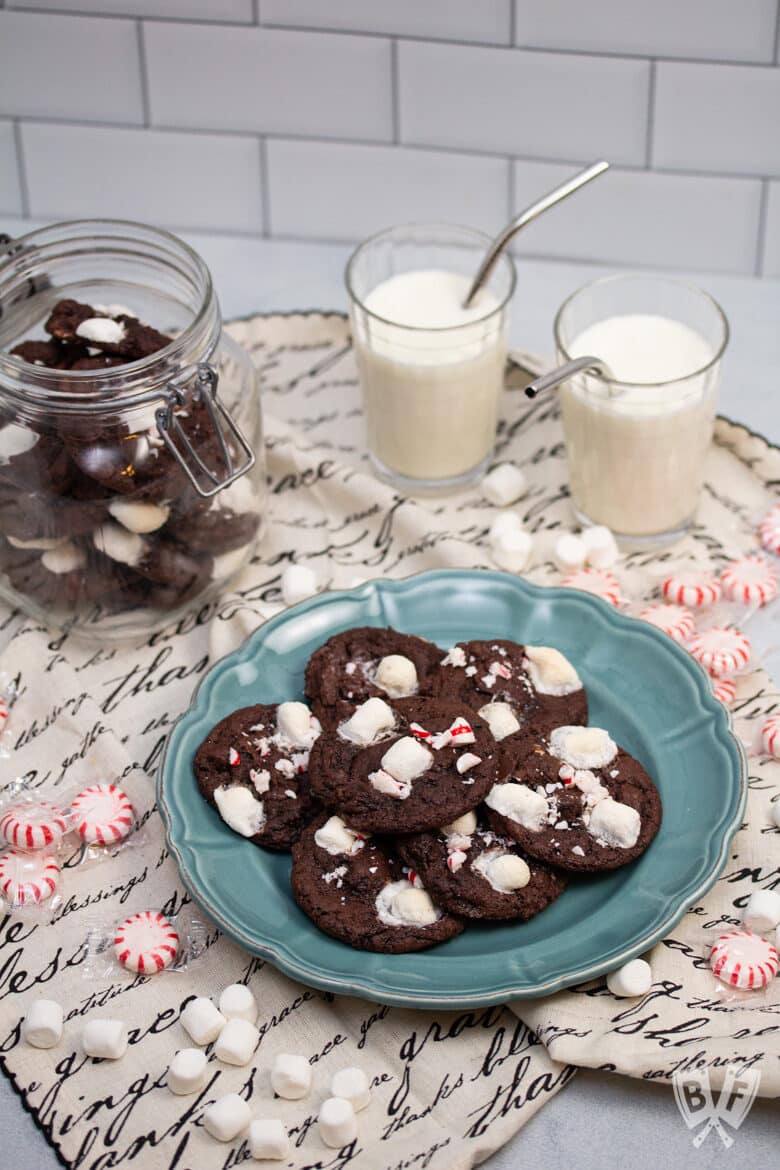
653	698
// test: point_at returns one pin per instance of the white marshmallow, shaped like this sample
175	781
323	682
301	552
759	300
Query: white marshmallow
291	1076
101	329
64	558
505	522
227	1117
463	826
353	1085
237	1042
569	553
505	872
187	1071
632	979
504	484
239	809
236	1002
402	904
42	1026
115	542
518	803
137	516
407	759
601	550
337	1122
550	671
268	1139
298	582
501	719
617	824
335	837
371	720
105	1039
512	550
397	676
202	1021
296	722
583	747
762	913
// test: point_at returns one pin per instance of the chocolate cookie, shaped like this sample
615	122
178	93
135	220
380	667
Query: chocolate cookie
577	801
355	890
527	687
118	334
52	354
360	663
229	520
252	768
476	873
404	766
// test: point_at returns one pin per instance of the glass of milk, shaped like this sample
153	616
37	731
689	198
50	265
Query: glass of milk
431	371
637	440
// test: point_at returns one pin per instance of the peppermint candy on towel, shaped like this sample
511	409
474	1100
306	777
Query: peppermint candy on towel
599	582
744	960
750	579
769	530
720	650
724	689
692	588
33	825
27	878
146	943
770	736
674	620
103	814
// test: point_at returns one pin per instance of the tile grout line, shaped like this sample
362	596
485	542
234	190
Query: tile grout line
512	23
763	214
395	91
21	168
255	11
511	188
265	187
146	105
776	54
651	114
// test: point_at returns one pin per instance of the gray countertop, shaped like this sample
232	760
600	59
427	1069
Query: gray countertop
599	1120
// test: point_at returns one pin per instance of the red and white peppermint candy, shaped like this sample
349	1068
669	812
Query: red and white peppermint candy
744	960
769	530
750	579
103	814
720	650
596	581
674	620
146	943
27	878
419	732
692	588
770	736
33	825
234	759
725	689
455	860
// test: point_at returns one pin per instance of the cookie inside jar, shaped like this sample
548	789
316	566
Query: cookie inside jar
131	475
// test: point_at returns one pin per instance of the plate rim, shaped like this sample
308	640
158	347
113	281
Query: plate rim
368	987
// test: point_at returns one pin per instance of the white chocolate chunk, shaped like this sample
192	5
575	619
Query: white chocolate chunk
505	522
501	719
138	516
291	1076
64	558
353	1085
511	550
463	826
504	484
202	1021
632	979
407	759
601	550
236	1002
268	1139
518	803
297	583
550	671
227	1117
583	747
397	676
505	872
568	553
372	720
334	837
237	1042
102	330
42	1026
615	823
105	1039
187	1071
762	913
337	1122
402	904
296	723
114	541
388	785
239	809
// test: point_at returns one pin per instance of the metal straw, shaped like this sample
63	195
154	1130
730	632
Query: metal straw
549	381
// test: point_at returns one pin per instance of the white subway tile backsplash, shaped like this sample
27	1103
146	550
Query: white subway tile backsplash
10	191
346	192
637	217
771	259
507	100
218	77
178	180
451	20
219	10
717	118
706	29
69	67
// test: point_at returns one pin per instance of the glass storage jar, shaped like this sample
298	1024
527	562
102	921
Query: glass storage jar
131	492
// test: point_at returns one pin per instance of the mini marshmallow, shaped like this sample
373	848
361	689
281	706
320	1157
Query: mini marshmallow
518	803
397	676
101	329
407	759
236	1002
463	826
42	1026
550	671
202	1021
117	543
569	553
601	550
138	516
512	550
295	721
187	1071
105	1039
268	1140
615	823
353	1085
298	582
402	904
505	872
762	913
505	522
368	722
337	1122
501	719
335	837
291	1076
227	1117
632	979
583	747
239	809
237	1042
64	558
504	484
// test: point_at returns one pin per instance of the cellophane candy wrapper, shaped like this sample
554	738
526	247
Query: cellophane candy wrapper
146	943
743	965
8	692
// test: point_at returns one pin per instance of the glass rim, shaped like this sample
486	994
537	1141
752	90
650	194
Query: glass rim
616	278
477	235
